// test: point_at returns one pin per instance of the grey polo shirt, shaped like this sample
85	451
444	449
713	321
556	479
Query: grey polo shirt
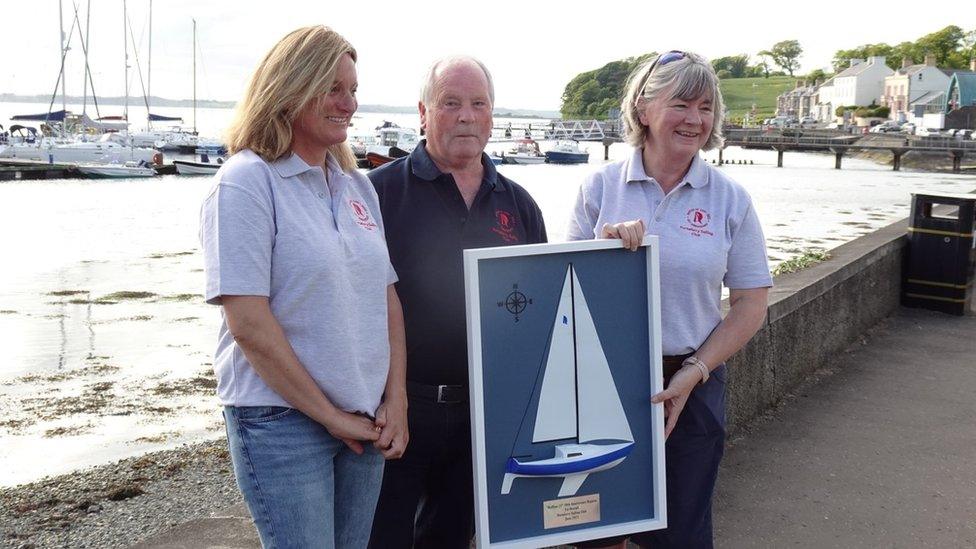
316	249
709	235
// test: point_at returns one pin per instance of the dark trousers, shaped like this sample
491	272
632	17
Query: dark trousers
427	497
692	454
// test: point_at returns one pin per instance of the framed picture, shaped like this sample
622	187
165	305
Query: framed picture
564	353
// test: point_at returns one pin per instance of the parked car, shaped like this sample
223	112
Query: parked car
886	127
908	128
808	120
927	132
965	134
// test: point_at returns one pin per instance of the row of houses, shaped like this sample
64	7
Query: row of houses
923	94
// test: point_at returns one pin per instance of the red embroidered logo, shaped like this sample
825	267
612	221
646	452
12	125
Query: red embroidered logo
698	219
505	226
361	213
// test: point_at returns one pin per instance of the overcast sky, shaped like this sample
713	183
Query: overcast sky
533	48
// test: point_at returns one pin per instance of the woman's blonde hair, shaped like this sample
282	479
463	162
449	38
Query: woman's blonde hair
687	78
298	68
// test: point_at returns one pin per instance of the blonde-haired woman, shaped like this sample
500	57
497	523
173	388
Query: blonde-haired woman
709	236
310	355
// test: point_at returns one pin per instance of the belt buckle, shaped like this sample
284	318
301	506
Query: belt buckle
442	397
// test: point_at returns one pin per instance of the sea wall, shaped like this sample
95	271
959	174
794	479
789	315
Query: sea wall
815	314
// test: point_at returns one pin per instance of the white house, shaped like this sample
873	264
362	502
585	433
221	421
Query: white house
911	85
862	83
823	101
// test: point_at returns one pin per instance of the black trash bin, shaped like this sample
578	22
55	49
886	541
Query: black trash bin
941	253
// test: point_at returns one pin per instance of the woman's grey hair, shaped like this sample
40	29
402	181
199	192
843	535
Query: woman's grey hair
688	79
438	66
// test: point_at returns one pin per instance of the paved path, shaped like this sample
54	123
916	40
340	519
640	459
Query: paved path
880	453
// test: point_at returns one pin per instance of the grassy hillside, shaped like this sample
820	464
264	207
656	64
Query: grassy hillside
740	93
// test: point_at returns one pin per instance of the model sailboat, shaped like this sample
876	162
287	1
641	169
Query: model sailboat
578	402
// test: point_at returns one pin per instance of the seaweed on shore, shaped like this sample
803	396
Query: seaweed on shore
809	257
201	384
67	293
171	254
125	295
181	297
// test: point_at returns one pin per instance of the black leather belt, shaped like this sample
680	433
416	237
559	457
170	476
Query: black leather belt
672	364
441	394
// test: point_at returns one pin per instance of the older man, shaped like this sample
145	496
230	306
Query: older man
443	198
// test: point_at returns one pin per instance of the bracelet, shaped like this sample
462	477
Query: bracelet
698	363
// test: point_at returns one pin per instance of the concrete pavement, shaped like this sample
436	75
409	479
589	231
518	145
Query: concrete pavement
879	450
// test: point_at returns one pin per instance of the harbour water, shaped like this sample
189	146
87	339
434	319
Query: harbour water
107	342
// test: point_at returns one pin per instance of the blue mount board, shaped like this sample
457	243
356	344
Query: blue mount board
514	348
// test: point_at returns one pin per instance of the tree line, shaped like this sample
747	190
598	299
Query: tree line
593	94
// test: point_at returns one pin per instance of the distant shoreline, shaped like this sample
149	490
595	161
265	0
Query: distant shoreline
503	112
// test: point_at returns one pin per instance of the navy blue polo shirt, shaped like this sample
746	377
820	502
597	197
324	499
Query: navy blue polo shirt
427	226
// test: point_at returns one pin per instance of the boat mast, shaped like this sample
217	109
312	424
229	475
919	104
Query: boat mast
86	45
125	44
194	76
149	74
576	374
64	93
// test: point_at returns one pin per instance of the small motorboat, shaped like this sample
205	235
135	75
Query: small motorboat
567	152
526	151
392	140
204	167
496	158
126	170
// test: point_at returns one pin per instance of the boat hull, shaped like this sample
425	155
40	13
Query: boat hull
556	157
184	167
572	462
524	160
116	171
99	153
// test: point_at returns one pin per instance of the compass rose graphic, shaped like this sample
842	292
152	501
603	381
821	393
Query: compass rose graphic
515	302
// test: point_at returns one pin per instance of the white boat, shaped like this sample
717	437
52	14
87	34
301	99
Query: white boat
578	402
526	151
184	167
165	140
567	152
393	141
107	150
127	170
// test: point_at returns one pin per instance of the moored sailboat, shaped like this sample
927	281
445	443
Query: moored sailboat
578	406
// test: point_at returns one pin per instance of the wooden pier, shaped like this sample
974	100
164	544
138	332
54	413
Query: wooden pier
840	143
17	170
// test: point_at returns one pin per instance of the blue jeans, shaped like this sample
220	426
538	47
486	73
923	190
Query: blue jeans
304	487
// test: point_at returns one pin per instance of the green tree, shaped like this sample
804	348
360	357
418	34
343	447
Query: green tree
842	58
737	65
815	75
593	93
945	45
785	54
763	65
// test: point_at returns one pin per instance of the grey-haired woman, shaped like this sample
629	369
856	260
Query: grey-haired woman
709	236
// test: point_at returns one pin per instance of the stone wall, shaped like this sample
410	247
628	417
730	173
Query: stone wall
814	314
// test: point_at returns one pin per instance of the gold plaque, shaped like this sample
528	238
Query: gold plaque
570	511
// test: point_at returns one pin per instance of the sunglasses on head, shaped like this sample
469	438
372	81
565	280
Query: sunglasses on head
662	60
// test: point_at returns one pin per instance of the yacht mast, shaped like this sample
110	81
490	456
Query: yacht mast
64	93
194	76
125	43
86	46
149	74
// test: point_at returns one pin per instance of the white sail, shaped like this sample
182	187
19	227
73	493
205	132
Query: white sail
556	416
601	415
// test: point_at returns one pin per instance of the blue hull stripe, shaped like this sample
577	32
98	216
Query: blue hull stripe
568	158
567	468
